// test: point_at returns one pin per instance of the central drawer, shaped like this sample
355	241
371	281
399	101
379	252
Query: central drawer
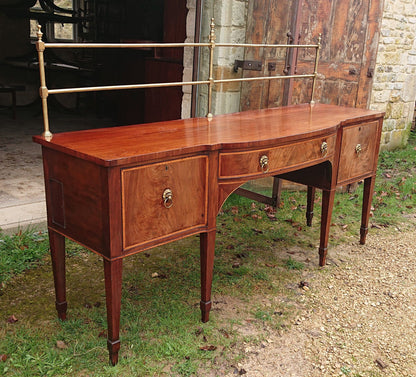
161	199
272	160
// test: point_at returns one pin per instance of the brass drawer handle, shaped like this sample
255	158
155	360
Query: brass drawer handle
167	198
358	149
324	148
264	163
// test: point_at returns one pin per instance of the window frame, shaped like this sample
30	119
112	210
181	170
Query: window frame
50	25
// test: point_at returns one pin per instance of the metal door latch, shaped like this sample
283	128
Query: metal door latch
249	65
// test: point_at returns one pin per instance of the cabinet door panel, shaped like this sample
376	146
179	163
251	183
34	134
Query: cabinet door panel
145	213
359	144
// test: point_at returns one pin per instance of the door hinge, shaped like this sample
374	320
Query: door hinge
249	65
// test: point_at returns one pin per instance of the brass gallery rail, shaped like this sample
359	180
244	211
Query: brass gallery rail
44	91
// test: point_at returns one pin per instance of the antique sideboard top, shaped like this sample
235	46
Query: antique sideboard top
138	143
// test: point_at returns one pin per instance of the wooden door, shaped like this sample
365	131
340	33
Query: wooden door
349	31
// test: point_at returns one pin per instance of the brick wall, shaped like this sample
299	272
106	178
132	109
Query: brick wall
394	86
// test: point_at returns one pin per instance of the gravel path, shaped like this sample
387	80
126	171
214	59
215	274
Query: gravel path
358	317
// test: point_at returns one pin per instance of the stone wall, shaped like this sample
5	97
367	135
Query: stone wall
230	26
394	86
188	57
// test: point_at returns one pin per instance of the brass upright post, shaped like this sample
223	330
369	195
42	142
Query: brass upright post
43	90
315	71
211	68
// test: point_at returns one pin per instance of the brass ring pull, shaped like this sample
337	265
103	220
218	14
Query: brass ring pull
358	149
167	198
324	148
264	163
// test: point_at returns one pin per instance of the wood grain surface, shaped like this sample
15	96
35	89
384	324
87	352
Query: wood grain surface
116	146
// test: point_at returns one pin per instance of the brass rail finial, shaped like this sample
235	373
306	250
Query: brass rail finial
39	33
212	36
43	90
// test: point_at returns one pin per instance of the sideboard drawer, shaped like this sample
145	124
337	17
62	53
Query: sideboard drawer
162	199
358	148
259	162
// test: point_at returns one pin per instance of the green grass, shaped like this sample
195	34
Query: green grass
21	251
292	264
160	324
258	259
395	192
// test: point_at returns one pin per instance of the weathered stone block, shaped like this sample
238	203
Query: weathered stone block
190	24
386	138
239	10
395	96
397	111
226	102
227	72
382	96
398	85
186	106
191	4
385	32
411	59
391	48
378	106
398	139
389	41
187	76
188	56
389	124
409	89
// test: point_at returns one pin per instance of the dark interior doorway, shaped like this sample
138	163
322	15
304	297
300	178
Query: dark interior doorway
141	21
21	177
98	21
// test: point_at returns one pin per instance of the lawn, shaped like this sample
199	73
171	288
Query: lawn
261	257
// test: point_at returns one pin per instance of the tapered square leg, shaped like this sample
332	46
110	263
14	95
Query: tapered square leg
309	205
277	191
327	206
207	247
57	246
113	283
365	215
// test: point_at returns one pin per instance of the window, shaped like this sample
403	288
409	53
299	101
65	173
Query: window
34	22
55	13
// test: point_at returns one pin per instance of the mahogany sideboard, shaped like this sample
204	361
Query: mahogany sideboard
122	190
